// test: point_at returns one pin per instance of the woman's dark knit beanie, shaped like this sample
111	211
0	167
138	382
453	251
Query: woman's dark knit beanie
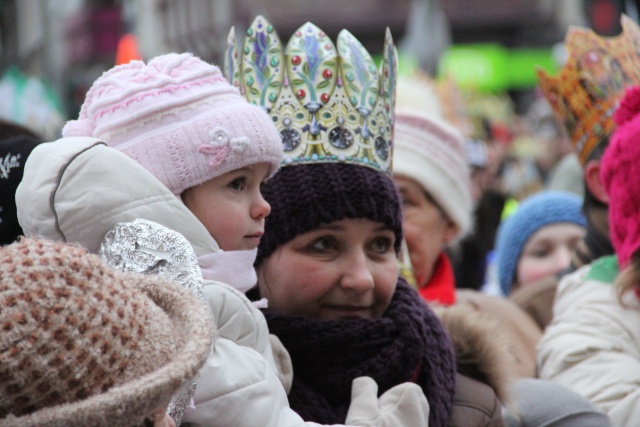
304	196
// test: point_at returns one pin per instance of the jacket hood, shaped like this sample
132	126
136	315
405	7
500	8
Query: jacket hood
482	351
76	189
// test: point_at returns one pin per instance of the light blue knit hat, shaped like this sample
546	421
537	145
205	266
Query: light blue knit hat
533	213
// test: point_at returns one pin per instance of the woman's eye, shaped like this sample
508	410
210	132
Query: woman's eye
237	184
407	202
381	244
324	244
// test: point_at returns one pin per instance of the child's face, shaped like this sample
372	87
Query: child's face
346	269
231	207
547	252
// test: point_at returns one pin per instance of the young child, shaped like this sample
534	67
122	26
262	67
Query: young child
537	241
171	142
198	137
80	340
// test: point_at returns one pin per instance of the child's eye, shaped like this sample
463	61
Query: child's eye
539	252
324	244
238	183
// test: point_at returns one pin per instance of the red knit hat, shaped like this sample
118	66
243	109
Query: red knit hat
620	174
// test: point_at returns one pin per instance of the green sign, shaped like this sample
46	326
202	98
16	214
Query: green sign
493	68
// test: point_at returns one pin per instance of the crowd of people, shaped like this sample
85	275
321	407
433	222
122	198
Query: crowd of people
310	239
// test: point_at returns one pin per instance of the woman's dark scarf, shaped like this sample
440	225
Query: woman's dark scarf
407	344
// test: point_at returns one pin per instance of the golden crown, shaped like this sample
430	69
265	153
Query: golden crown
330	105
586	92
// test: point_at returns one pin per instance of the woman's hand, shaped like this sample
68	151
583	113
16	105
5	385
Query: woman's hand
402	405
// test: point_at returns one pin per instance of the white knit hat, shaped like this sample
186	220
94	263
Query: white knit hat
430	151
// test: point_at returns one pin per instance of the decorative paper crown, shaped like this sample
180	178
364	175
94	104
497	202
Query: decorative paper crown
587	91
330	105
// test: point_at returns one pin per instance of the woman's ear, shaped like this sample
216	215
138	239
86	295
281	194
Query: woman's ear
451	232
593	182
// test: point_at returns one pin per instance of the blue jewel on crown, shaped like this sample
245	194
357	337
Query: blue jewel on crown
329	104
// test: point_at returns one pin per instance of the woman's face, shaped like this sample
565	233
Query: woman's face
547	252
342	270
426	227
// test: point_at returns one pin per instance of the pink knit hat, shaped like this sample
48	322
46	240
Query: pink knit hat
620	174
179	118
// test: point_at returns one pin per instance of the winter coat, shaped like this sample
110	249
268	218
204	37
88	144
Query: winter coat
484	362
474	404
495	341
77	189
537	299
520	335
592	345
485	366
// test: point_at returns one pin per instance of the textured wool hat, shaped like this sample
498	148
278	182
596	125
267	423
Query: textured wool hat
83	344
432	152
14	151
533	213
179	118
620	175
304	196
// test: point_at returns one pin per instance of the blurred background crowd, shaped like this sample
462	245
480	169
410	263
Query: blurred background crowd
53	50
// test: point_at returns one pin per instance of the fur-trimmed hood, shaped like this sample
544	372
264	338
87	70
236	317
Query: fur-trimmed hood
493	339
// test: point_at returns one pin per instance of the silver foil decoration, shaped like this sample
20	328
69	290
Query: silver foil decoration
146	247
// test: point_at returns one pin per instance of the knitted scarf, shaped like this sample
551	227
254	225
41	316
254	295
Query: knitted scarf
408	343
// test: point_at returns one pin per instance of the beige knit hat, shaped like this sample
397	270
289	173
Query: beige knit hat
431	151
83	344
